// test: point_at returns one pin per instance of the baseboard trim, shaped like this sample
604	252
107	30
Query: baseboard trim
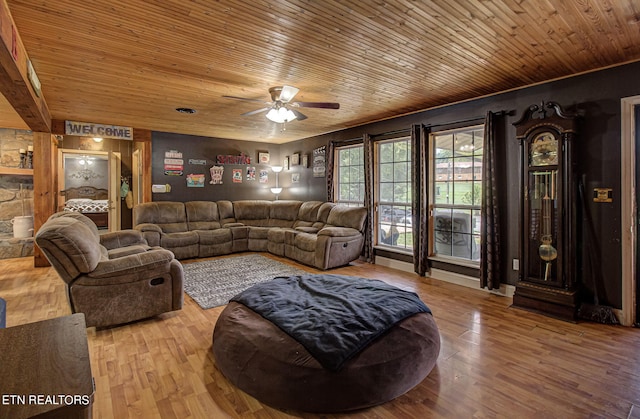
505	290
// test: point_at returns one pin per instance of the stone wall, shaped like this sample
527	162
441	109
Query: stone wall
16	193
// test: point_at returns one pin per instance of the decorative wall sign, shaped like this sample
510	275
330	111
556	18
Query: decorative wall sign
229	159
285	163
98	130
251	173
173	163
161	188
237	175
319	161
295	177
305	160
263	158
216	175
264	176
295	159
195	181
198	161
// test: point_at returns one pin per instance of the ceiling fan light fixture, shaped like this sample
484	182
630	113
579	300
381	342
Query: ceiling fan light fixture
280	115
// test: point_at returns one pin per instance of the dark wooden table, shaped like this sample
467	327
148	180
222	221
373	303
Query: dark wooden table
45	370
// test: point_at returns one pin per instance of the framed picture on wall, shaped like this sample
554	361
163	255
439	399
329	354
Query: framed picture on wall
295	159
285	163
295	177
305	160
263	158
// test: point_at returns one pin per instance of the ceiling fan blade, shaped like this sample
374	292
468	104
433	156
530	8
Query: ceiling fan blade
287	93
257	111
299	115
246	99
323	105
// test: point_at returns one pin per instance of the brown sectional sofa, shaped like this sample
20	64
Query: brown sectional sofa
319	234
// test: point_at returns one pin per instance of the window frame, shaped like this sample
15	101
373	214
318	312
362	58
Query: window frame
402	224
475	227
337	172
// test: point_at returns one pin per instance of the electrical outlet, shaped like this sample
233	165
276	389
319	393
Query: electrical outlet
516	264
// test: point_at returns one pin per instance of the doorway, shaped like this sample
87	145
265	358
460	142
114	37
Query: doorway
89	183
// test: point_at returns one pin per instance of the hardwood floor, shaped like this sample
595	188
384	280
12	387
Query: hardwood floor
495	361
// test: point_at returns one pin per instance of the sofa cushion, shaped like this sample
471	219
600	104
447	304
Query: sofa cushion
283	213
323	212
173	240
252	212
218	236
202	215
80	217
169	216
119	252
276	235
306	241
69	244
309	211
304	229
352	217
225	211
259	232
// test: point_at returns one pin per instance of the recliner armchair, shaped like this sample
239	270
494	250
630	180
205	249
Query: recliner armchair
112	278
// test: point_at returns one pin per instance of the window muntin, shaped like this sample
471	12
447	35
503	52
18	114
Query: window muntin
394	223
350	176
456	192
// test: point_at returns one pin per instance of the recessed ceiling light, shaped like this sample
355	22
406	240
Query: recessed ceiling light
186	110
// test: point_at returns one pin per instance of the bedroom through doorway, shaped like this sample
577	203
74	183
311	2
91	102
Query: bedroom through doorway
89	183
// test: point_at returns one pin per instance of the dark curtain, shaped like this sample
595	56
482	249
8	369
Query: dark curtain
490	230
330	155
420	198
367	252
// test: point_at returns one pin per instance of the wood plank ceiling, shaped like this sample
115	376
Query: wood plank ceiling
133	62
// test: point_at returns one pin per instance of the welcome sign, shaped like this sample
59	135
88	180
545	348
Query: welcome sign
98	130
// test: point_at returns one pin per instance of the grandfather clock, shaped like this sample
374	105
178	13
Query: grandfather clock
547	280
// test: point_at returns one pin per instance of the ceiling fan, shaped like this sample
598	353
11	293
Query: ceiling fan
281	109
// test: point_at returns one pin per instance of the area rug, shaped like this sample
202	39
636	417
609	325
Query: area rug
213	283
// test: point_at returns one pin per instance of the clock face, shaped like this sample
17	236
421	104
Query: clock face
543	150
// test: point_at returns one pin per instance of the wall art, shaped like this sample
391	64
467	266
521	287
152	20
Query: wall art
263	158
195	180
251	173
237	175
216	175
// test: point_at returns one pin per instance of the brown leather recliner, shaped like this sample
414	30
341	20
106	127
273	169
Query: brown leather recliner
112	278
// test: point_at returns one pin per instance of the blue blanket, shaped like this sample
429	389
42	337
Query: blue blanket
332	316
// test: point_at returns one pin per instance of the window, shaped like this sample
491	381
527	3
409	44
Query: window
456	192
394	224
350	176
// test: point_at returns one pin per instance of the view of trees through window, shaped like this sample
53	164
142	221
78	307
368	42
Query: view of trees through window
456	192
394	193
350	176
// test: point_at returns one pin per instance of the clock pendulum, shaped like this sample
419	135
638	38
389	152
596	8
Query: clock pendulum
546	250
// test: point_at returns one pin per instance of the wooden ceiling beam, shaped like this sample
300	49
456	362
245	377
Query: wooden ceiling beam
14	79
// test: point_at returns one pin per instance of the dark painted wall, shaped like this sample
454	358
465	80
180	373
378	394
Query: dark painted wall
597	95
205	148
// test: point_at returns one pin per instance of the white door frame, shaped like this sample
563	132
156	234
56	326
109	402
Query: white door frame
628	208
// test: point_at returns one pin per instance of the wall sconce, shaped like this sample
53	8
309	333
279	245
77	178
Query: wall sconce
276	190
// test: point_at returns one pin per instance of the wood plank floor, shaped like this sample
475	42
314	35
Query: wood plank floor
495	361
